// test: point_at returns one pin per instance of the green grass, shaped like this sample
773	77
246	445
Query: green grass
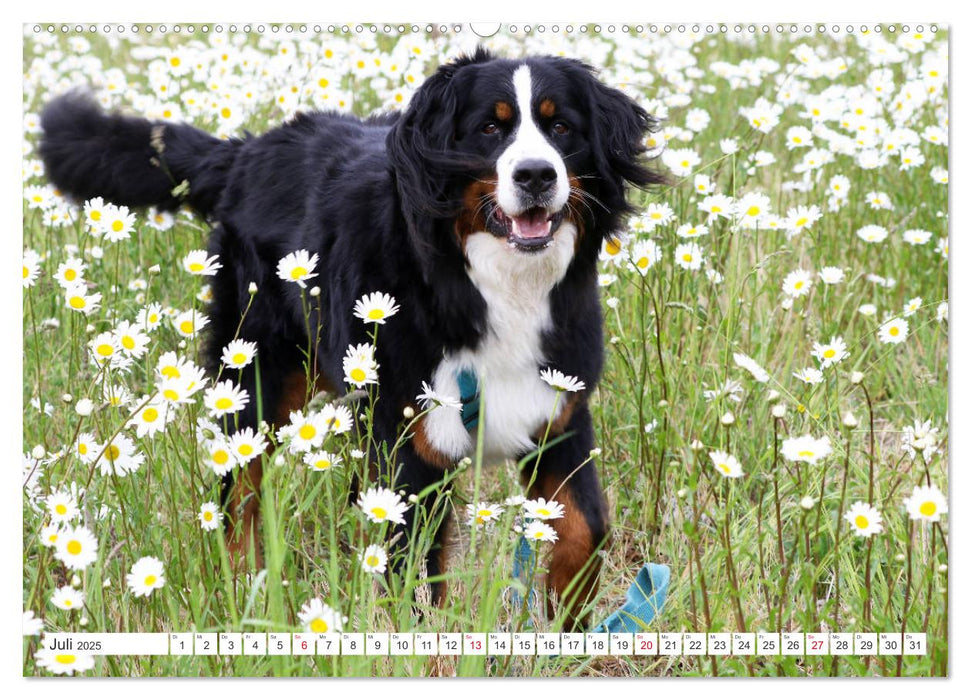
743	553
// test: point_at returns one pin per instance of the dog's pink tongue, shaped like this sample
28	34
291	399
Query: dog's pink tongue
531	224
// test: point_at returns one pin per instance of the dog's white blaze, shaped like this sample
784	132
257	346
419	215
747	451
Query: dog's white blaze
528	143
517	403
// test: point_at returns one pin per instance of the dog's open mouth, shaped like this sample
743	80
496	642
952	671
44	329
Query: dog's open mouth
530	231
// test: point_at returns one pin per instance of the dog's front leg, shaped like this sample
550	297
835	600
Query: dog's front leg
566	473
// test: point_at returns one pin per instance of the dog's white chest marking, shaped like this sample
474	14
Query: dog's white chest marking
516	403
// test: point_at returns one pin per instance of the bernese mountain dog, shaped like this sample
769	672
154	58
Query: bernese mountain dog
481	208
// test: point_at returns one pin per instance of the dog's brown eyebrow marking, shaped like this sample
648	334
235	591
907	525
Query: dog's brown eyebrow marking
503	111
547	108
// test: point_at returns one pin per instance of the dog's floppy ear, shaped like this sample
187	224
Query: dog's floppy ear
618	130
420	150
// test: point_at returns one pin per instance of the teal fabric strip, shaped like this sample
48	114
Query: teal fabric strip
645	597
469	394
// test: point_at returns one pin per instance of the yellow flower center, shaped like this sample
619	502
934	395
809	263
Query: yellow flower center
246	450
171	372
239	358
65	658
543	511
799	284
323	82
806	453
74	547
725	468
222	403
358	375
117	225
105	350
60	509
113	452
128	342
77	302
220	456
307	431
318	626
375	314
150	579
643	263
298	272
862	522
753	211
226	113
69	274
829	353
82	449
539	534
372	561
802	221
379	512
171	394
928	508
195	267
175	61
186	327
68	603
686	257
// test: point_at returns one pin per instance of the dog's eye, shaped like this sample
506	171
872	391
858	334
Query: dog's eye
490	128
561	127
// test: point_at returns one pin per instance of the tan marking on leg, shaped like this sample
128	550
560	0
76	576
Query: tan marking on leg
427	451
558	426
243	511
574	568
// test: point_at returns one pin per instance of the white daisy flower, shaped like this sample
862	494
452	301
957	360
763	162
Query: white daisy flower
316	616
926	503
541	509
225	398
321	460
893	331
147	575
382	505
238	353
76	548
374	559
539	531
196	263
482	513
209	516
63	662
726	464
62	507
806	448
865	519
67	598
247	444
297	267
560	381
375	308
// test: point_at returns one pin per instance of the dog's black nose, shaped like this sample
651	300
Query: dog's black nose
534	176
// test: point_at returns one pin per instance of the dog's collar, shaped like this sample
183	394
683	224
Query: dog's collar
469	394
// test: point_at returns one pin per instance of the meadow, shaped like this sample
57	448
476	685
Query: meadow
771	424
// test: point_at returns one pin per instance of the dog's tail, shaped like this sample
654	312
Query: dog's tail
129	160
